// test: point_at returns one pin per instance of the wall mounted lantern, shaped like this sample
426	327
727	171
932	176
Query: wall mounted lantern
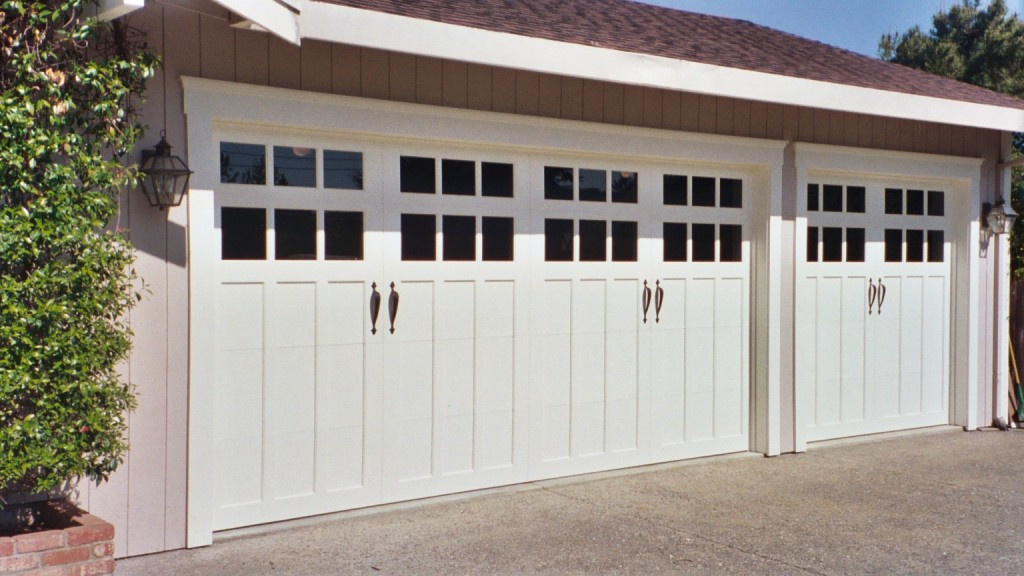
999	218
165	177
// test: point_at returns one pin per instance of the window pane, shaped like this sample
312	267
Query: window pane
833	198
730	193
243	233
419	237
812	244
674	242
936	246
915	245
703	193
593	185
812	197
854	244
624	241
730	243
893	245
703	242
458	238
499	238
458	177
592	241
496	180
915	202
557	240
294	166
295	234
243	163
936	203
557	183
343	235
832	244
893	201
418	175
855	201
343	170
674	190
624	187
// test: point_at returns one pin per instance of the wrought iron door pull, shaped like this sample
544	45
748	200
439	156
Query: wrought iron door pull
646	300
872	292
881	295
393	306
659	299
374	307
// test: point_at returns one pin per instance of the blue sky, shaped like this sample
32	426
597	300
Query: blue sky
852	24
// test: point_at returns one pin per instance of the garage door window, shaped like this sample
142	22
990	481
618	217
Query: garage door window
243	163
343	170
243	233
343	235
294	166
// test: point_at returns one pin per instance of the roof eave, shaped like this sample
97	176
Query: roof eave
279	17
111	9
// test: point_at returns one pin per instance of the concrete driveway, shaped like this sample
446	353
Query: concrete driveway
936	502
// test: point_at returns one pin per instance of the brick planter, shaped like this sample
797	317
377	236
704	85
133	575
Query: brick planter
71	543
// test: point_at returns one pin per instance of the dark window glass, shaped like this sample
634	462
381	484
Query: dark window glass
499	236
812	197
832	198
915	245
343	235
557	183
832	244
343	170
915	202
855	201
243	163
703	242
674	242
294	166
703	193
557	240
730	243
458	177
674	190
418	175
893	245
419	237
243	233
458	240
624	187
893	201
854	244
936	246
730	193
812	244
624	241
592	241
936	203
496	179
295	234
593	185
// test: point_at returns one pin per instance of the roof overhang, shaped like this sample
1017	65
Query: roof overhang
110	9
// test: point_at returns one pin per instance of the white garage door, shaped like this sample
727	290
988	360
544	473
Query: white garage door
398	320
872	305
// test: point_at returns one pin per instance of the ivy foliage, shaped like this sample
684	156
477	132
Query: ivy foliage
67	122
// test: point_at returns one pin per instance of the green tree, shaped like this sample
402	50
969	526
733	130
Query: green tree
980	46
69	89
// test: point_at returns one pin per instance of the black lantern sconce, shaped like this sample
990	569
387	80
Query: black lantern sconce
165	177
999	217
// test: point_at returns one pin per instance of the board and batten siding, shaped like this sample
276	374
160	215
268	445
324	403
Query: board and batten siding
146	497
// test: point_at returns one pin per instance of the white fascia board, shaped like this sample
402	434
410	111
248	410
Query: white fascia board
346	25
111	9
274	17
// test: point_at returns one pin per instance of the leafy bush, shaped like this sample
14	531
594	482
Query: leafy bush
67	122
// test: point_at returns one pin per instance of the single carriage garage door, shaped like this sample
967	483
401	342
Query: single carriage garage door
400	319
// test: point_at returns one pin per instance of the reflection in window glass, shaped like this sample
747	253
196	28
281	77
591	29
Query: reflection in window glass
458	177
854	244
915	245
936	203
703	192
294	166
674	190
703	242
624	187
893	201
893	245
557	183
243	233
812	197
832	198
458	238
343	235
419	237
624	241
855	199
592	241
730	193
832	244
343	170
418	175
812	244
936	246
498	236
674	242
557	240
496	179
593	185
730	243
243	163
295	234
915	202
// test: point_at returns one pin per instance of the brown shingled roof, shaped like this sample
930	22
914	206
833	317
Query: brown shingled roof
646	29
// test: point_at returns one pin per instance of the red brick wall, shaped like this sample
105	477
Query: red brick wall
85	548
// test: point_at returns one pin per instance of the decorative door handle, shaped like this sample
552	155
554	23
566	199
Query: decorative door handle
393	306
881	295
646	300
659	299
872	292
374	307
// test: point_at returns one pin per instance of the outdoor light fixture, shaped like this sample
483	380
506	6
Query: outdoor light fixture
999	218
165	177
